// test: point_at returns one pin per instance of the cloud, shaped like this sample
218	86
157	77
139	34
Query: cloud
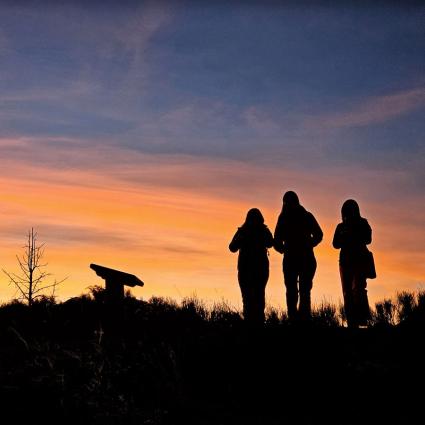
141	27
69	235
99	164
73	89
92	59
128	44
261	121
171	216
374	110
81	237
91	163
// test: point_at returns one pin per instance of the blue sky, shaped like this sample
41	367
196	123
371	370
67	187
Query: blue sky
335	94
299	85
104	70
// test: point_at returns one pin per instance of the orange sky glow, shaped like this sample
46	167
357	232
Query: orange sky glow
138	137
170	222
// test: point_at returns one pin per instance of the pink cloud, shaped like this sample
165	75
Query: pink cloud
374	110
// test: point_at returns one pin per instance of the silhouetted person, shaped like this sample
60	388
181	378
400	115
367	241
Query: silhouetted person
297	233
252	240
352	236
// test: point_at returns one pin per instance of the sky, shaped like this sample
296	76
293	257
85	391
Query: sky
137	135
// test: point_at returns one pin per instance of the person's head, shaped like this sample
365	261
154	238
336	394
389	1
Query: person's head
350	210
290	200
254	217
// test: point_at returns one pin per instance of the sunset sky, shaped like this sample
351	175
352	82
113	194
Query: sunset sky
137	136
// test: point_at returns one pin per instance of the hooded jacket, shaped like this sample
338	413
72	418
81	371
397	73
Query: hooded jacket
352	237
252	242
297	231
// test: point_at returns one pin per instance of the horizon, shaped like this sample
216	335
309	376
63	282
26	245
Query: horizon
138	135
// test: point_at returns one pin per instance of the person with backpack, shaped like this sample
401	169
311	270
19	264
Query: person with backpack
355	262
252	240
297	233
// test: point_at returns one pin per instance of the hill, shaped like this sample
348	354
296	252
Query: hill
158	362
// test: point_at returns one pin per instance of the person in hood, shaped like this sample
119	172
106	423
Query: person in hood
297	233
252	240
352	236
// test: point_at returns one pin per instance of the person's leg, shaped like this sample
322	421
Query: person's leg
347	282
252	281
262	293
361	302
246	289
290	274
306	283
249	310
258	304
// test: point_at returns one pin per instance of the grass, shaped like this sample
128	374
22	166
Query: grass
162	362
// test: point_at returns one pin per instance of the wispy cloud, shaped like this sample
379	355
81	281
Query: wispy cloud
78	236
83	162
96	63
170	217
374	110
74	89
70	235
258	119
132	40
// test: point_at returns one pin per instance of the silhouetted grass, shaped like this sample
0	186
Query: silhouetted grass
408	308
327	314
163	362
385	313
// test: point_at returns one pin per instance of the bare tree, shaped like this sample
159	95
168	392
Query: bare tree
31	282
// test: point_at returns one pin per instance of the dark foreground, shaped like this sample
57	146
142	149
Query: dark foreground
164	364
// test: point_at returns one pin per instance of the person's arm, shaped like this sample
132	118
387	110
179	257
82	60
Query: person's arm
338	237
268	237
316	232
278	237
367	233
235	244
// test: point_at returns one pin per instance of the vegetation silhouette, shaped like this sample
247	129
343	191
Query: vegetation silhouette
252	240
189	363
31	283
296	234
351	236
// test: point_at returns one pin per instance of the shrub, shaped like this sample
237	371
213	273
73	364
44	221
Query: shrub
326	315
406	304
385	313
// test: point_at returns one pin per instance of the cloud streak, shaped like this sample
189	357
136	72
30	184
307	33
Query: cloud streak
170	218
375	110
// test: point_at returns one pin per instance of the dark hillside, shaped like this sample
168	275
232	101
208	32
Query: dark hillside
163	363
